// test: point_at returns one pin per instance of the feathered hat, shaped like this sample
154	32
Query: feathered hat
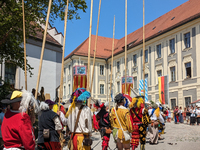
80	95
98	104
137	102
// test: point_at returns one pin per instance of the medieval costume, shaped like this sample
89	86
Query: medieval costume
80	120
104	123
121	123
17	131
140	120
49	120
154	114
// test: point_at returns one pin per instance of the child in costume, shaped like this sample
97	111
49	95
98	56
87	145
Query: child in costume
140	120
103	123
121	123
80	120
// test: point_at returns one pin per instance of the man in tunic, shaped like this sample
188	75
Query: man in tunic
17	131
80	120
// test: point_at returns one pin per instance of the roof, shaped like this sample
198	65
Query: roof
195	101
182	14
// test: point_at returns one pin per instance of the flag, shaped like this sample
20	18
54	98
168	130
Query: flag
79	81
163	85
141	89
129	84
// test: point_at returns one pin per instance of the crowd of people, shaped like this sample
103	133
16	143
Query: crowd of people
128	122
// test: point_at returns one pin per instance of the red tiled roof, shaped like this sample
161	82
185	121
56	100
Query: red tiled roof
174	18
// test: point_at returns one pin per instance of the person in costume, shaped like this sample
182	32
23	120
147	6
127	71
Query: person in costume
49	120
121	123
80	119
155	115
140	118
17	131
104	123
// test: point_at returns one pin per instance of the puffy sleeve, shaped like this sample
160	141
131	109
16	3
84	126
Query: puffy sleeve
129	122
26	133
63	119
89	118
58	125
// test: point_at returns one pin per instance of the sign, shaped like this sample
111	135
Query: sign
79	70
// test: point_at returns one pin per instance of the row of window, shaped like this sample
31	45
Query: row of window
187	102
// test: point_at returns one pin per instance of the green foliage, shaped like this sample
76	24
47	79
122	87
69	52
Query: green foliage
5	89
11	24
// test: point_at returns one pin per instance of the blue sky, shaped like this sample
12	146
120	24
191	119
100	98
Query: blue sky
78	30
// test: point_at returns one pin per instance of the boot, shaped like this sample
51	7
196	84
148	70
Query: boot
142	147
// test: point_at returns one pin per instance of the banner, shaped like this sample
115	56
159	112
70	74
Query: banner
79	81
141	89
163	86
129	84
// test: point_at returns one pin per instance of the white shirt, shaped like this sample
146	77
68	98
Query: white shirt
85	117
63	119
153	117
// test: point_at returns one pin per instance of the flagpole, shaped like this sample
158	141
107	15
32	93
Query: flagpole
143	50
113	43
125	41
95	47
63	55
24	34
43	46
88	69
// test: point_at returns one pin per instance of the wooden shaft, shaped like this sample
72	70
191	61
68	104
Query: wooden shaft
43	46
95	47
88	73
143	51
125	41
112	61
63	55
24	34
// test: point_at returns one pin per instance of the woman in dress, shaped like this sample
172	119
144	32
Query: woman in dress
169	115
192	116
181	115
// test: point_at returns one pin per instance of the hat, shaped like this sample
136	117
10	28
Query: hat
49	102
13	97
119	98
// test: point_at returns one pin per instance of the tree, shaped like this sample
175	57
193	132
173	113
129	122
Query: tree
11	24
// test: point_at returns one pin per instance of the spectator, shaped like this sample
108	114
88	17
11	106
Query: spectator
198	115
169	116
188	114
192	116
181	115
176	115
184	113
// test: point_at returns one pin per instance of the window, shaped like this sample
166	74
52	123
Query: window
173	103
118	87
172	46
101	69
135	82
101	88
69	69
118	66
173	76
135	60
187	101
10	70
146	56
187	40
64	91
188	69
69	89
159	51
159	73
146	76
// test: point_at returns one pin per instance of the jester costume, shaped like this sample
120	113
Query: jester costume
140	120
103	123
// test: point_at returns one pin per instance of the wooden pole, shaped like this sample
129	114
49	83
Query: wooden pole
43	46
24	34
143	50
95	47
88	73
125	41
63	55
112	61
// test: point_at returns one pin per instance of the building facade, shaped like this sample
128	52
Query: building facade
51	67
172	48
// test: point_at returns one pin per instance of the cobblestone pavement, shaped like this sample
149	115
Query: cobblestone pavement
176	137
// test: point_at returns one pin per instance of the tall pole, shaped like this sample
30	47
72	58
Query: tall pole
113	43
125	41
88	73
43	46
63	55
24	34
95	47
143	50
